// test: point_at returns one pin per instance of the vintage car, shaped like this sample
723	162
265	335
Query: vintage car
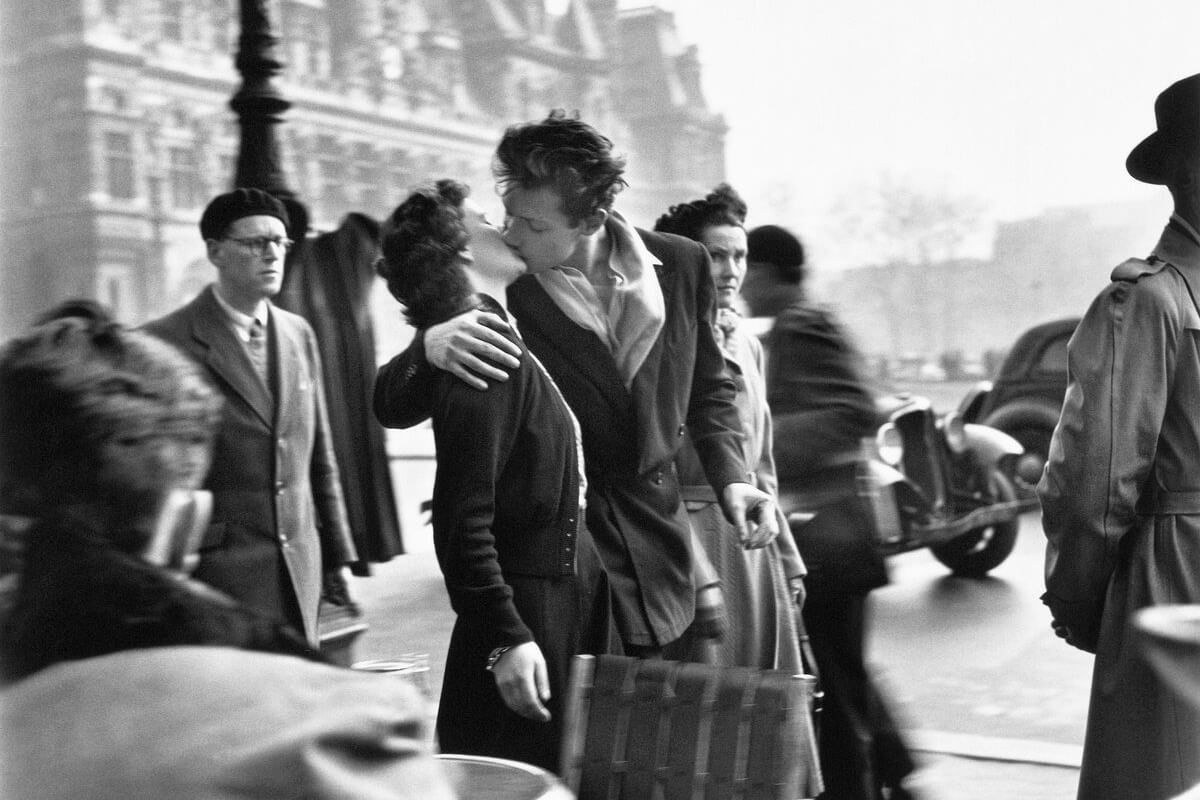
936	481
1025	398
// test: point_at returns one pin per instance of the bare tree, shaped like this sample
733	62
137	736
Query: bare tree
904	220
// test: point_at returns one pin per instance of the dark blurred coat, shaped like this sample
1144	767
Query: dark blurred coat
278	518
79	597
822	408
329	284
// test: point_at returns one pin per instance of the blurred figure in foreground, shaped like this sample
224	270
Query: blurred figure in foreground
104	432
760	586
523	574
822	409
280	535
202	723
1121	490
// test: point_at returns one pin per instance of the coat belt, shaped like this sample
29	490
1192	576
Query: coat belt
1160	501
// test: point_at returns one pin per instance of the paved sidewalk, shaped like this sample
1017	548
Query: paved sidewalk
407	611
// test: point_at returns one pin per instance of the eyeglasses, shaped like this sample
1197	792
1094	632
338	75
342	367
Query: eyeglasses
259	244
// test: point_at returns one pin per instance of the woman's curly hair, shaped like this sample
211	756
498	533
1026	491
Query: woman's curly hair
75	381
566	154
422	244
721	206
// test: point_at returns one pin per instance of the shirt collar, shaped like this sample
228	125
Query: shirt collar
241	321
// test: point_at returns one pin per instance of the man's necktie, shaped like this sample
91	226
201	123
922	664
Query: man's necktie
257	348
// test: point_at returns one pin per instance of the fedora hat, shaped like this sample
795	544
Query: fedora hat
1177	116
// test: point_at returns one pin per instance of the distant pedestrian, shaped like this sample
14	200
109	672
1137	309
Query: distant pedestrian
759	586
280	537
1121	490
822	409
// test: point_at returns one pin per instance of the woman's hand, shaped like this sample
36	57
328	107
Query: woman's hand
523	681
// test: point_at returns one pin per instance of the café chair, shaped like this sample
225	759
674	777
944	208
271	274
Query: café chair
636	728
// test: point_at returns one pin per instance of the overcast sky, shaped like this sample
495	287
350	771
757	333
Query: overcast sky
1024	104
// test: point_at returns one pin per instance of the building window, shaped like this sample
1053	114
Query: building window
184	178
172	20
118	165
366	178
114	289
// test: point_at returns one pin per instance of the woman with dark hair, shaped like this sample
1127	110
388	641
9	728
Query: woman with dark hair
104	434
508	499
761	586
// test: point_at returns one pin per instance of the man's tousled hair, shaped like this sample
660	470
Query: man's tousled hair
566	154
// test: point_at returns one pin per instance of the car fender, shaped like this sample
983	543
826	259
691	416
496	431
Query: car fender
972	403
989	444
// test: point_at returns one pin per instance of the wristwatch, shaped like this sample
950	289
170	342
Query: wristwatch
494	656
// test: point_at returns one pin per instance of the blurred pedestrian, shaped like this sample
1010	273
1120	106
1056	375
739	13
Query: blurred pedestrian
104	433
618	317
280	536
523	574
1121	490
822	409
760	587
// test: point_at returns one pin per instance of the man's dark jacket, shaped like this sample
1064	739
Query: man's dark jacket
630	436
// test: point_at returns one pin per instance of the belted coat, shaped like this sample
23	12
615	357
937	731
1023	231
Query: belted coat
1121	510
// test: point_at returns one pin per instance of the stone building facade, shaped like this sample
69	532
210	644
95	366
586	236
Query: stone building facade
116	126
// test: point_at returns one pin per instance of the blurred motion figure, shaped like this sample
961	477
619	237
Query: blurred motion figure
104	432
822	409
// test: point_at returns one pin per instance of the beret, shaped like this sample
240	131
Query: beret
771	244
228	208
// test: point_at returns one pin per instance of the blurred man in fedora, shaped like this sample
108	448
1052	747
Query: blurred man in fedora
279	535
1121	491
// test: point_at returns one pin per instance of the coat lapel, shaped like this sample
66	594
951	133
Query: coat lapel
287	345
227	357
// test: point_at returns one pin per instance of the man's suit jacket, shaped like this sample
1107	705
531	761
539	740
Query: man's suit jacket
278	514
630	436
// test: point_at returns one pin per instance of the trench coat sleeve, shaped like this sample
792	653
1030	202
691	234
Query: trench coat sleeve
337	541
404	386
474	433
1120	375
821	404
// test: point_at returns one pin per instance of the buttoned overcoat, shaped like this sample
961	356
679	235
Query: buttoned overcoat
278	514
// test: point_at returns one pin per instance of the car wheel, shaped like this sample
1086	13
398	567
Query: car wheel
981	550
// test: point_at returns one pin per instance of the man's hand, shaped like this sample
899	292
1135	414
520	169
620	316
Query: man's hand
335	590
524	682
753	512
470	345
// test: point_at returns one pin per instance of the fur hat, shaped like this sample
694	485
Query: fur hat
1177	119
228	208
76	382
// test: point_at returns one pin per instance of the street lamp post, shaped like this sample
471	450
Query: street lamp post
260	106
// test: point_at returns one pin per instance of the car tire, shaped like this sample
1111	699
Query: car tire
977	552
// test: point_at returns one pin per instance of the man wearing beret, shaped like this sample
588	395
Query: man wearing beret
279	534
1121	491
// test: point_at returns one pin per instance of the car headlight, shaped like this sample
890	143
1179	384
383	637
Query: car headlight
955	432
889	444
